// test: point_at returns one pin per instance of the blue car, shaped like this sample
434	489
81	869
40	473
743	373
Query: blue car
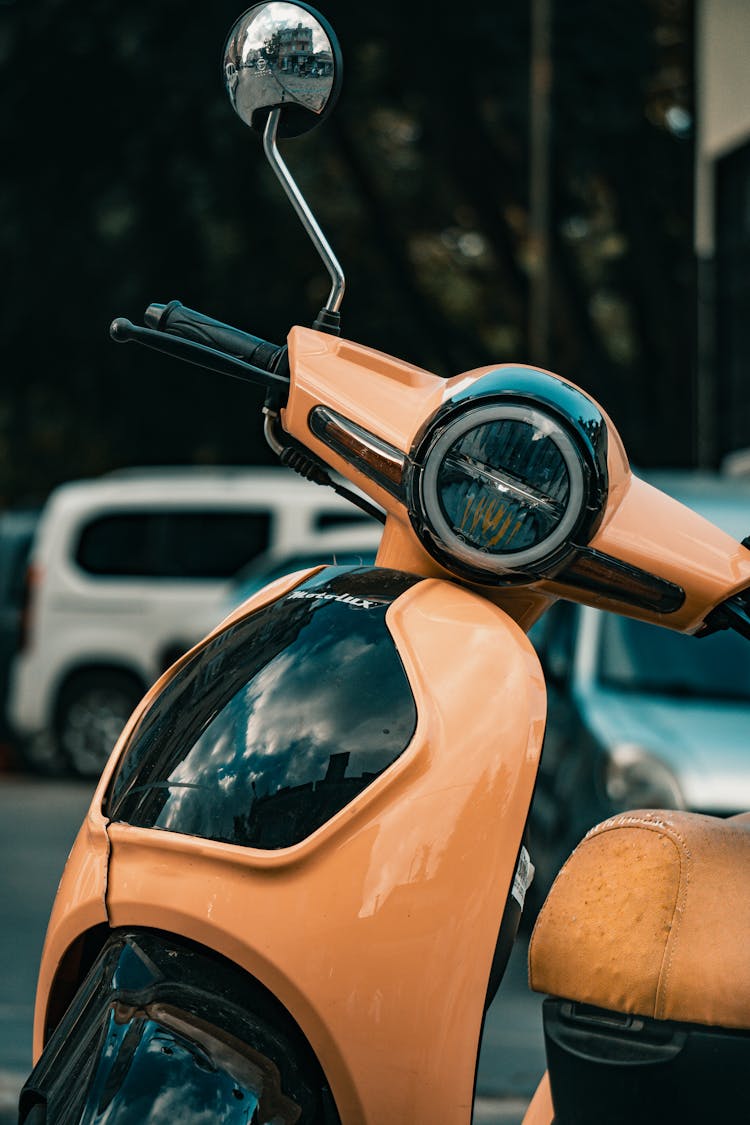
640	717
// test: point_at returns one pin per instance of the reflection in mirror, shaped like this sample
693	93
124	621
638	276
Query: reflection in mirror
280	55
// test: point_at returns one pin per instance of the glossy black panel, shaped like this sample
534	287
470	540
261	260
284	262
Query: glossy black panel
602	574
541	387
161	1030
144	1067
279	722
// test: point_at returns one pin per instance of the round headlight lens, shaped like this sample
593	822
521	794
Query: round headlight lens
502	487
635	779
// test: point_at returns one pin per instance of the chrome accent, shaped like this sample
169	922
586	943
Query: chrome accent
282	54
270	424
309	222
505	482
375	458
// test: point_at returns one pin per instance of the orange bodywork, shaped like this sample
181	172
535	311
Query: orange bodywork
641	526
541	1111
378	931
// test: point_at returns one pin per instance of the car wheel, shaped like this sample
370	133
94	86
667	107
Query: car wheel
93	710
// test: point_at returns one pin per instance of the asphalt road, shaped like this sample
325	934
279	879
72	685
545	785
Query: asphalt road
38	822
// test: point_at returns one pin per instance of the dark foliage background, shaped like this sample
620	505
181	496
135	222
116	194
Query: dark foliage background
127	178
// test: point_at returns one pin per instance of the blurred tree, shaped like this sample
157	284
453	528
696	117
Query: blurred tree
128	179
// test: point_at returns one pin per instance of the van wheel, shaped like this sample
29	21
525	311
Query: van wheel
94	708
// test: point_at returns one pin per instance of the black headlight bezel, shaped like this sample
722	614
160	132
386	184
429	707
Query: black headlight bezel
583	432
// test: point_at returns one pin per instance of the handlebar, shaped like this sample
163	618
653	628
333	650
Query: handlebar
194	338
178	320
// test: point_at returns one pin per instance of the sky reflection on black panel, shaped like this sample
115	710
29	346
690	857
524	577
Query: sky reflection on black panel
142	1057
306	704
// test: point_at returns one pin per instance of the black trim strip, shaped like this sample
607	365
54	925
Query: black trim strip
602	574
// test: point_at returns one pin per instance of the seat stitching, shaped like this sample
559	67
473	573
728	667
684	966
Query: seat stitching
684	856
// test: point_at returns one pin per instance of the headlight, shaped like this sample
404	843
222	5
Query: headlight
635	779
504	484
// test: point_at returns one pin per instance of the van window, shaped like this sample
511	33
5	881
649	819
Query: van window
186	544
353	518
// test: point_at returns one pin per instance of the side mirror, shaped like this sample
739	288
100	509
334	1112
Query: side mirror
285	56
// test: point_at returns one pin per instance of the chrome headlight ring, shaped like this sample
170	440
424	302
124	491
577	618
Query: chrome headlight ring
503	487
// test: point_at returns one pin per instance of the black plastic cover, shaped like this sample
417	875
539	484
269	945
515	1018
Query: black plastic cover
616	1068
162	1030
277	723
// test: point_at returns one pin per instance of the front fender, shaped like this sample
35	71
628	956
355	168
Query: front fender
161	1030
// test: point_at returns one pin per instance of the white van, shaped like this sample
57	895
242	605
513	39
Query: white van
126	573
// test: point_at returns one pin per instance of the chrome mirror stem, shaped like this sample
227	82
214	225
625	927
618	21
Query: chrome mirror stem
306	216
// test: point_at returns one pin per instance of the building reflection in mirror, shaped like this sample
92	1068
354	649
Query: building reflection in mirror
278	55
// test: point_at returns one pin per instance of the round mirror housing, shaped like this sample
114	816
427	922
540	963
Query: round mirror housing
282	55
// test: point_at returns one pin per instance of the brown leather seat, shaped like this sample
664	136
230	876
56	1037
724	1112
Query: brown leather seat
651	916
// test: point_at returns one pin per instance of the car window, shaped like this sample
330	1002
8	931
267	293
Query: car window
191	544
635	656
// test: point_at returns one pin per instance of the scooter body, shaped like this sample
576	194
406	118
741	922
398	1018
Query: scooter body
397	721
304	865
358	927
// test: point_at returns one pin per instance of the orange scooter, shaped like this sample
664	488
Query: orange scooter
302	871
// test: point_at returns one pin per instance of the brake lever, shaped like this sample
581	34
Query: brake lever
734	614
123	331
